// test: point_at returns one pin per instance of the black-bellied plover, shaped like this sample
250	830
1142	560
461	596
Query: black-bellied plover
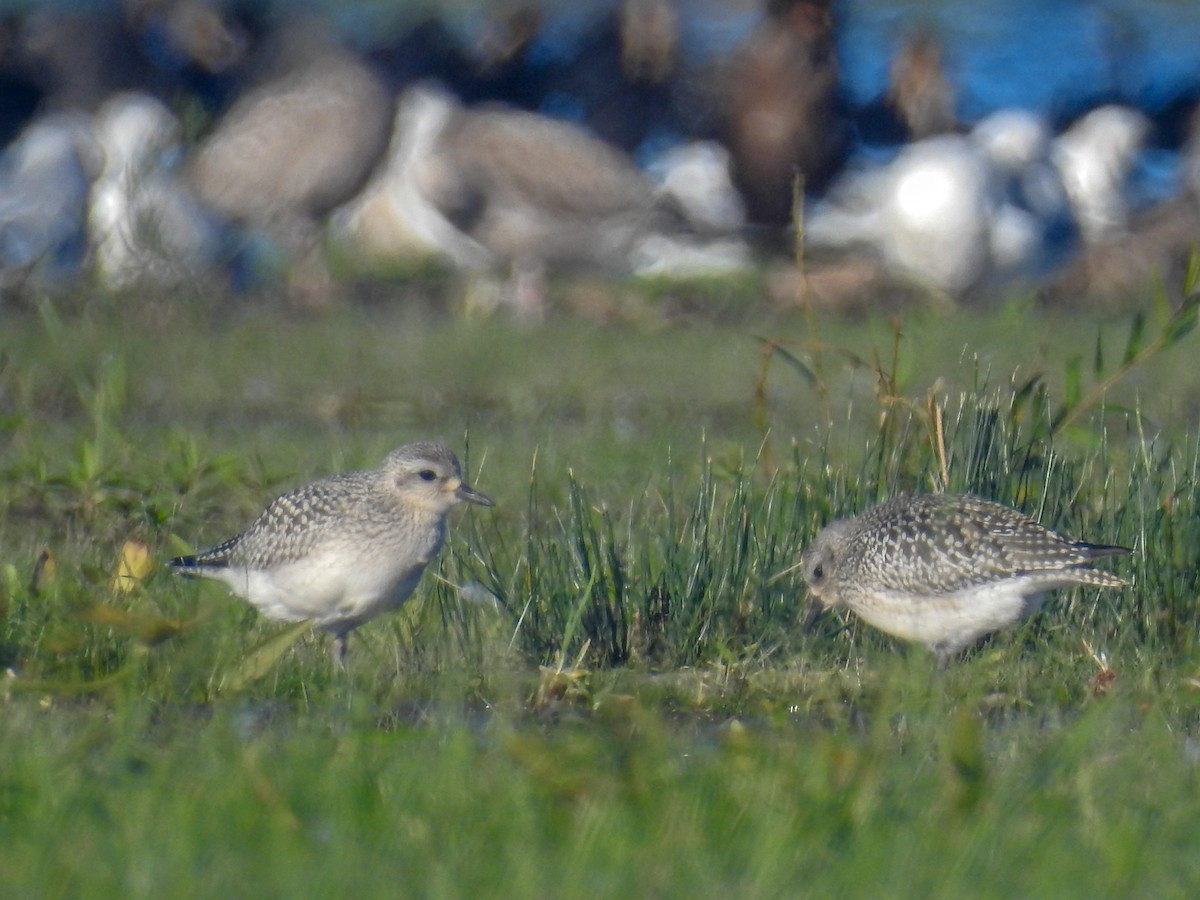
344	549
946	569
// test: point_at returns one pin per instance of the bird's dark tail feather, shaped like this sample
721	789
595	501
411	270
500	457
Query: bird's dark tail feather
184	565
1099	551
195	566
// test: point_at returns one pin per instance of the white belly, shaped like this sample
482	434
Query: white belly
328	588
950	622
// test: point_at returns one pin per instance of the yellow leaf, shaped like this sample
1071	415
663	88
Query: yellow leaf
133	566
156	631
149	629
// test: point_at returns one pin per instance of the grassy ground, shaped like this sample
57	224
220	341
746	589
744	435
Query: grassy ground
605	690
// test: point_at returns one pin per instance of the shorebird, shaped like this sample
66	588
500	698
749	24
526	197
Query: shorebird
946	569
344	549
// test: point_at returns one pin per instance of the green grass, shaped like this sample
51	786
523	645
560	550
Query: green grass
604	690
918	801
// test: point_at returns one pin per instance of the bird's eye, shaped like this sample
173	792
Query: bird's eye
427	475
818	572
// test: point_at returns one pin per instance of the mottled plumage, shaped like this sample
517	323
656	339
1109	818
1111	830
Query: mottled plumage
946	569
344	549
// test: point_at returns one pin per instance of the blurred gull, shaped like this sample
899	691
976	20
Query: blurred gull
297	146
697	176
1017	142
527	186
953	210
1154	246
394	219
45	177
1095	157
144	225
936	217
1032	224
497	186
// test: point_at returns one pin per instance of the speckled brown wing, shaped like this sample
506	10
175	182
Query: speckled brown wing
290	527
944	543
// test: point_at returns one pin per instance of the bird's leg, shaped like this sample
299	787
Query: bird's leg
527	289
339	652
943	657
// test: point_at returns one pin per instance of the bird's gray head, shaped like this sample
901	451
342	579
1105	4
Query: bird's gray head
427	476
821	559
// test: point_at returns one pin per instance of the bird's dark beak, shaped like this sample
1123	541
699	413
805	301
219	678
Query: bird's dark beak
812	609
468	494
